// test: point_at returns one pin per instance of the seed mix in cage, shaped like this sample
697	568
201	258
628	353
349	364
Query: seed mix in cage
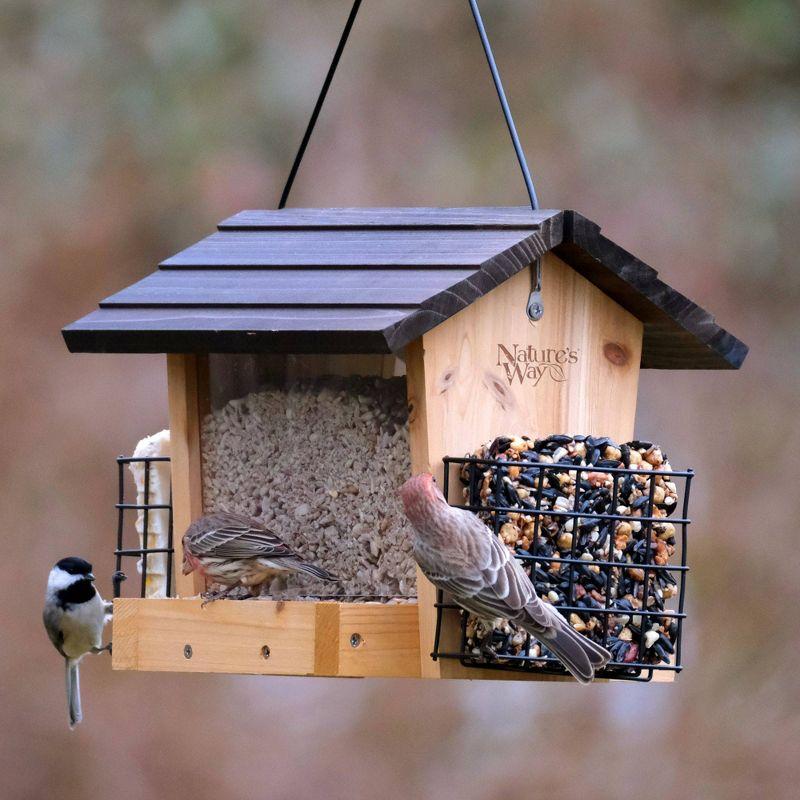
586	538
319	463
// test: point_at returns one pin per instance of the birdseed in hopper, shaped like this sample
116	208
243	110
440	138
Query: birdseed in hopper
319	462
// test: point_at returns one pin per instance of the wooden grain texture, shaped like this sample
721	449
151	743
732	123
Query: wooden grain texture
326	639
374	280
226	636
303	638
468	392
125	630
282	287
377	218
102	337
244	320
388	641
419	422
185	330
184	377
347	248
469	399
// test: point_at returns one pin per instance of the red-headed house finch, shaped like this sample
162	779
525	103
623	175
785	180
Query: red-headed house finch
459	554
237	551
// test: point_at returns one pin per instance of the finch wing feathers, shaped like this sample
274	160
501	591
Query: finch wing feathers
499	587
509	592
233	536
485	579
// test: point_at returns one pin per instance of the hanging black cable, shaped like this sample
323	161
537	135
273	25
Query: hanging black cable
501	95
535	306
318	106
498	84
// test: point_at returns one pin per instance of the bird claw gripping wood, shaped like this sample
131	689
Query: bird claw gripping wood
535	307
211	597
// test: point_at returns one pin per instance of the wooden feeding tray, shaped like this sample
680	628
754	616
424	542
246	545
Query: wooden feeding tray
437	296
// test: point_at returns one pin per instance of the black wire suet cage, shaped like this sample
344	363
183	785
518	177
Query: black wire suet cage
145	508
618	600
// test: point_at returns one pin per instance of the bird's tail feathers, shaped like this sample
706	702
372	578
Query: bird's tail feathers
317	572
579	654
73	692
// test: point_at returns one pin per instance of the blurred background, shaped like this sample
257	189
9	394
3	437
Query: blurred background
128	130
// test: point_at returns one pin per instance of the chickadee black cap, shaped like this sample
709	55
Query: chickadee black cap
75	566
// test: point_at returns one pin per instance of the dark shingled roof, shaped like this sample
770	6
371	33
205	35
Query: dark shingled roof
371	280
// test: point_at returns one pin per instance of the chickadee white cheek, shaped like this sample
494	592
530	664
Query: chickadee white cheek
60	579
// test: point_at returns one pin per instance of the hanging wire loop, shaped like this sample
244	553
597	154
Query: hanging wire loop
535	306
318	106
498	84
501	96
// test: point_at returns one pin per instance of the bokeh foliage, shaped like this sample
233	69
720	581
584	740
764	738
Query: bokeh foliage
127	130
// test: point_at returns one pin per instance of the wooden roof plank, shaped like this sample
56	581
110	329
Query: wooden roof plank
157	340
181	330
346	248
269	319
382	218
670	317
281	287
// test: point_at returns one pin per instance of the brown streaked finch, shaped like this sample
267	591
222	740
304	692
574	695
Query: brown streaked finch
459	554
234	551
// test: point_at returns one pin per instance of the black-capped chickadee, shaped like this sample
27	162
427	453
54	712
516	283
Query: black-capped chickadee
74	617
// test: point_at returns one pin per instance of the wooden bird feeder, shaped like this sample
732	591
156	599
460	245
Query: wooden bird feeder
437	295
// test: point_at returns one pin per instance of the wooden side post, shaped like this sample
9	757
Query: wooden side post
419	423
184	376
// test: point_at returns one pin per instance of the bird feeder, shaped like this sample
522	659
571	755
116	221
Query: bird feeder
437	302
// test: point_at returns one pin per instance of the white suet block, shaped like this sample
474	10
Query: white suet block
157	520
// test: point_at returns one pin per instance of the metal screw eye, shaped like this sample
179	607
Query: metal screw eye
265	651
187	651
356	640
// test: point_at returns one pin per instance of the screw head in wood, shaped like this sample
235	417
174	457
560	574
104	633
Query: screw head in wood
535	309
265	651
356	640
187	651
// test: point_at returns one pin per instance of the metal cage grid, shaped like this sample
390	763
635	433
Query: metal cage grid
638	670
139	552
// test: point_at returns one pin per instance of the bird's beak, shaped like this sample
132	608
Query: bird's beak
91	577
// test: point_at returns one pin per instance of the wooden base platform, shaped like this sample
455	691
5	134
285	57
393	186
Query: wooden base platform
262	637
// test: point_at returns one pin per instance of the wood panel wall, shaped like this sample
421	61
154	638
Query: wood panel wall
461	396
